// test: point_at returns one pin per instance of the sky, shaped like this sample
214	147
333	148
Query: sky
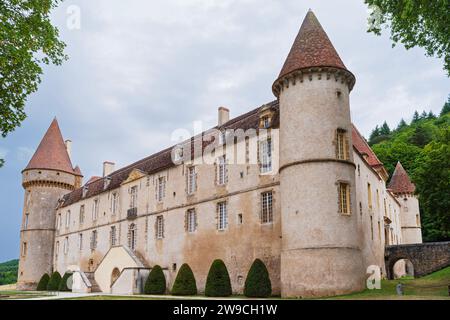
140	69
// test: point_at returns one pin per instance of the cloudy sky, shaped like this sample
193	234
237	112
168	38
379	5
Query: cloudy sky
140	69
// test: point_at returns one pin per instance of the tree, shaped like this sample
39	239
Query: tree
421	136
446	107
156	282
43	283
257	284
423	115
416	117
402	124
415	23
184	282
385	130
28	41
53	283
431	115
64	281
433	186
218	283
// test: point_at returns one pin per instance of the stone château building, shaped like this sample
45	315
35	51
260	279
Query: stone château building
317	216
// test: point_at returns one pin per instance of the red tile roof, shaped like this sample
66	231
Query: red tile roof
311	48
51	153
363	148
163	160
400	182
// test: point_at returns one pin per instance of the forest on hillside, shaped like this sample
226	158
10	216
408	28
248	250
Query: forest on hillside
423	148
8	272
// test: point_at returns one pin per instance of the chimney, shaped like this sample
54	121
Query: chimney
108	168
224	116
68	144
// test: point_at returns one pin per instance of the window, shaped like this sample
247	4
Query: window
360	209
133	197
378	199
24	249
266	207
57	248
369	195
344	198
95	210
132	236
161	192
222	171
159	226
192	180
113	236
379	230
265	149
25	224
80	241
66	245
94	239
222	138
58	221
68	219
240	218
222	218
417	220
342	151
191	220
265	122
371	227
114	202
82	214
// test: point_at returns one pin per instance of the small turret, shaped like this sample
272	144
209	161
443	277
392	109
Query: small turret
320	254
47	177
403	189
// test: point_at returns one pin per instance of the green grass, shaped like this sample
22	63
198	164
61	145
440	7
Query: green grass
433	286
14	294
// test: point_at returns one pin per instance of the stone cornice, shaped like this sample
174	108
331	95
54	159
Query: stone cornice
326	73
48	183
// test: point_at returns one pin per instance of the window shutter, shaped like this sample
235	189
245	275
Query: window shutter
347	148
339	198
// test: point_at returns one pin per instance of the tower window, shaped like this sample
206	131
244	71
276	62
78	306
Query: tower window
25	224
342	149
344	198
222	216
266	207
24	249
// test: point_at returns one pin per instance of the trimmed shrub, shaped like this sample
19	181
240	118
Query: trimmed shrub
218	282
185	282
42	284
156	282
257	284
63	283
53	283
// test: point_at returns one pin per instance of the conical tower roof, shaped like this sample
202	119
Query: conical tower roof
400	182
51	153
311	48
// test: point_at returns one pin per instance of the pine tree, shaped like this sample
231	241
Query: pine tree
446	107
431	115
385	130
218	283
401	124
374	135
424	115
416	117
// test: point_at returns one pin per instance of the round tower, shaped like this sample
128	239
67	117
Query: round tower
321	254
48	176
404	189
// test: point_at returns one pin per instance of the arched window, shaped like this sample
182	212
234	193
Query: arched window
115	275
132	236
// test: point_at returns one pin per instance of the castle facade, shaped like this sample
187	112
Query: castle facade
313	205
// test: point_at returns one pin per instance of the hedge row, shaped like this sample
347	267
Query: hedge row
54	282
218	284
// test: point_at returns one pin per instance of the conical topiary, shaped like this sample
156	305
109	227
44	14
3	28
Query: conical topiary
63	284
156	282
53	283
218	282
42	284
257	284
185	282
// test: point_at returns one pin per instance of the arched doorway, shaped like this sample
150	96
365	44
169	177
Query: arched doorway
401	268
115	275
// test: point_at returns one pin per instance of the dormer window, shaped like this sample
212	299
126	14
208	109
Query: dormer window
85	191
106	182
265	118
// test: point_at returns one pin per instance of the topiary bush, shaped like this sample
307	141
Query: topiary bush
42	284
156	282
53	283
185	282
257	284
218	282
63	282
